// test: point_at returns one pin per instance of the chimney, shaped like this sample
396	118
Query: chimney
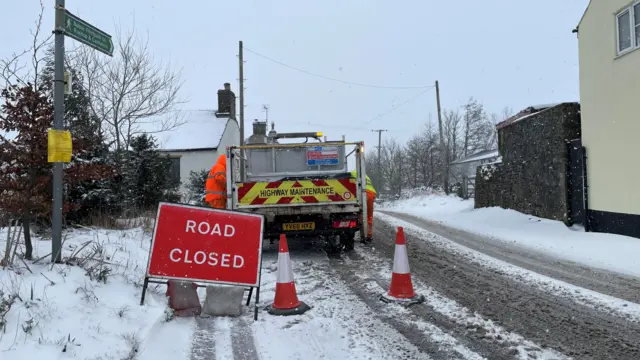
259	127
259	135
226	102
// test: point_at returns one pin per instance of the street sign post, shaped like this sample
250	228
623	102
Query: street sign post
87	34
206	245
78	29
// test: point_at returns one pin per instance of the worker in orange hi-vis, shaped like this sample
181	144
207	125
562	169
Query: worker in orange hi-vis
371	198
216	184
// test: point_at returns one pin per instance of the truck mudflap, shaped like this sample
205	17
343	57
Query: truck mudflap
312	191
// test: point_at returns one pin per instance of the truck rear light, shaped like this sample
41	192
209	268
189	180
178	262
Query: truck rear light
344	224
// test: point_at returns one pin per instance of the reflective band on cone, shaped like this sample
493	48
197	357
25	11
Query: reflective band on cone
401	288
286	299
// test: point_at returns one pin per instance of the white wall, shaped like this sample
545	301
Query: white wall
231	135
198	160
193	161
609	96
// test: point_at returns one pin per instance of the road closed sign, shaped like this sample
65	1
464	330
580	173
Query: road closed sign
206	245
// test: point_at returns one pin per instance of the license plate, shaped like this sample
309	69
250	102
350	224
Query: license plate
299	226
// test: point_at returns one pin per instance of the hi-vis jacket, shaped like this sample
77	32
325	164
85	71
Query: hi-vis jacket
216	184
369	185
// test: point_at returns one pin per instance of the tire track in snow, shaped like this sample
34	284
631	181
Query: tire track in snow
244	347
417	322
547	316
339	325
467	325
223	338
597	289
203	347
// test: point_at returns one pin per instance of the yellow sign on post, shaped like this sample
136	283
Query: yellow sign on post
60	147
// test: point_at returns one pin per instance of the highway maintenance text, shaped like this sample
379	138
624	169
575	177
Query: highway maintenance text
325	190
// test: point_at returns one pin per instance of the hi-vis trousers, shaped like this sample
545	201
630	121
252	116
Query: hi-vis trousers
371	198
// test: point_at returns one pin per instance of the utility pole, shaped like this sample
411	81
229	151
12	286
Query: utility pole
58	115
241	90
445	153
379	171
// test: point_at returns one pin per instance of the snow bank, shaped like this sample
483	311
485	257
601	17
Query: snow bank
607	251
89	307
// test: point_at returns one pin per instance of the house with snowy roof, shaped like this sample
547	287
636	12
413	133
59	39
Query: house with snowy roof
202	136
609	58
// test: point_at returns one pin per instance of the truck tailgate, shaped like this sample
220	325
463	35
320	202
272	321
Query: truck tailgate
314	191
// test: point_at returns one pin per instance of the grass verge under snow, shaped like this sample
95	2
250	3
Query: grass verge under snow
88	307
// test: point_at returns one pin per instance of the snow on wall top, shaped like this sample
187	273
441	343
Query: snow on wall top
200	129
526	113
480	155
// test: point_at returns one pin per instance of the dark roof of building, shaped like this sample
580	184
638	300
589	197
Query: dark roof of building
526	113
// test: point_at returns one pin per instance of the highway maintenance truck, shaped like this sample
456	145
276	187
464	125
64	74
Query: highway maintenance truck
303	188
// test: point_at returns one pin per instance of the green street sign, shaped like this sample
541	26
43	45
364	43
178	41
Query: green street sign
80	30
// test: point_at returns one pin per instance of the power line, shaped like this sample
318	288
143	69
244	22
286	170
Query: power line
397	106
354	128
334	79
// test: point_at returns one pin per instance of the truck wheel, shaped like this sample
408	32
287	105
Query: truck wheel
348	241
333	244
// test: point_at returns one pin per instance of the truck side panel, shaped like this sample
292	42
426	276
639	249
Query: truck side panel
314	191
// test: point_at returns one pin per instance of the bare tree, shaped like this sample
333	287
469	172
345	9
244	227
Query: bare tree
131	93
17	69
453	129
414	151
393	166
495	119
506	113
431	159
476	131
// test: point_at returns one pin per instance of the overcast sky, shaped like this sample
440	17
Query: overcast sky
502	52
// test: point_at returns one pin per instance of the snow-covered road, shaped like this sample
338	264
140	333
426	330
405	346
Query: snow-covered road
485	299
493	304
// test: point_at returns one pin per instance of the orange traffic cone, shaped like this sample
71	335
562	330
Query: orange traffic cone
286	300
401	289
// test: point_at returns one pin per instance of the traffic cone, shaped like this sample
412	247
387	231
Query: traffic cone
401	288
286	300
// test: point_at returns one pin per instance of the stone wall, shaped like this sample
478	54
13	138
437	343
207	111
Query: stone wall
532	177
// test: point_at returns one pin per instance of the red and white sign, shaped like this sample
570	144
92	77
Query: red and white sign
207	245
322	155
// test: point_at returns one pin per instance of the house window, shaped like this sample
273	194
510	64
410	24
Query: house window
628	28
174	171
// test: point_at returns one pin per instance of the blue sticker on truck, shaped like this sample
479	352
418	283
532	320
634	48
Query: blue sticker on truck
323	155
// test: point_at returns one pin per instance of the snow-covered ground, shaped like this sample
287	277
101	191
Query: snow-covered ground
595	300
339	325
607	251
89	307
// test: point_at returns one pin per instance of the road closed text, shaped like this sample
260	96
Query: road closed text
206	228
202	258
